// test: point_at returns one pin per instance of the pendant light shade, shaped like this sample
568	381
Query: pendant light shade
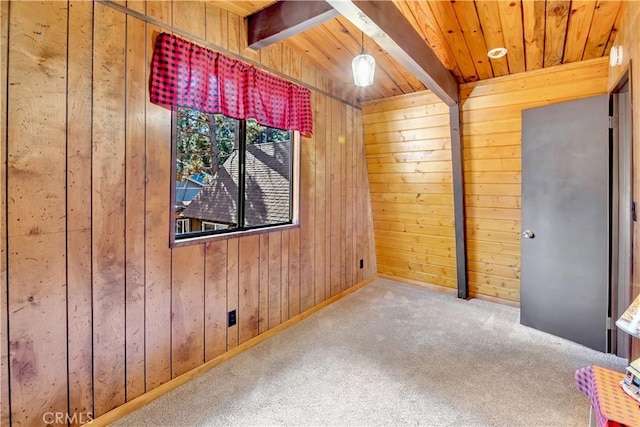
363	67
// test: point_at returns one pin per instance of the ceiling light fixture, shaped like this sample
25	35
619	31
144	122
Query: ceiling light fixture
497	52
363	67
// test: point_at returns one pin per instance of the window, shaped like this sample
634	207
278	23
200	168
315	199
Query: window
243	170
182	225
205	226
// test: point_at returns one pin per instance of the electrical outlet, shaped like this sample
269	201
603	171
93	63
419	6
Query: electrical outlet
232	318
361	263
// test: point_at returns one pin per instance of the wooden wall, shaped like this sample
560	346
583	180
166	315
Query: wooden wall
100	308
4	347
629	38
408	146
491	115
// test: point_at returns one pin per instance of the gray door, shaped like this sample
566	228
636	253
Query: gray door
565	205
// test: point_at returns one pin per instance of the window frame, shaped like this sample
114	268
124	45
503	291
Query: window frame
213	235
184	221
203	224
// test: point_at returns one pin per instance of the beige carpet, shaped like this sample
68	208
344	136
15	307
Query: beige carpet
392	354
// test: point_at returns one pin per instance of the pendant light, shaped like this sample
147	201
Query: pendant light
363	67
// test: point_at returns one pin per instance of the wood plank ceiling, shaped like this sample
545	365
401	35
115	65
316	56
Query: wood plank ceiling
537	34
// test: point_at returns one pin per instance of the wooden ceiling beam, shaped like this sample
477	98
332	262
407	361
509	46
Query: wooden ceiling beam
388	27
285	19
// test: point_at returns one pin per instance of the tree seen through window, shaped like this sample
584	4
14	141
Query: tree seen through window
211	150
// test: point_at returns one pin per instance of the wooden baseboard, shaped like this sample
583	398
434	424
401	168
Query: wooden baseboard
420	284
496	300
451	291
151	395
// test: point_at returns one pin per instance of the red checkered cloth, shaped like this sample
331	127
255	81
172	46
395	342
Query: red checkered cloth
184	74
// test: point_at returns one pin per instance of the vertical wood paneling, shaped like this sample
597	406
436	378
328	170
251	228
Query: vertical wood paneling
284	276
294	272
138	311
275	270
368	237
190	16
287	53
360	173
215	299
108	199
491	116
249	270
36	155
307	74
333	148
187	297
320	199
309	239
134	206
275	57
348	199
160	10
359	170
137	5
369	247
232	290
247	52
5	410
157	252
337	155
326	264
79	105
233	34
263	305
358	154
342	147
217	33
187	308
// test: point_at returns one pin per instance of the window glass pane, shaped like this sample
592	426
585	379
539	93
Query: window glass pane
267	176
208	226
208	182
182	225
207	161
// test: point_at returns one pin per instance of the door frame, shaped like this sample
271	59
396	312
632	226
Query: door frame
621	254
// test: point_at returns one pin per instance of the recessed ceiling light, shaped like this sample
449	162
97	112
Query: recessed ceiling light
497	52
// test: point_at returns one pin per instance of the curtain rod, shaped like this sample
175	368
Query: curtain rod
149	20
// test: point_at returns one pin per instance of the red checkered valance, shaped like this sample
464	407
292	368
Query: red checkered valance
184	74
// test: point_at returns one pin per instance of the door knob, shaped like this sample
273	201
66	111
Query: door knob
528	234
